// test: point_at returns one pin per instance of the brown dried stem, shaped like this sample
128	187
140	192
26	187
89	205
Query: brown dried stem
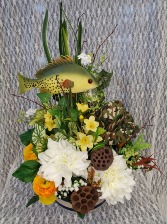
28	99
98	48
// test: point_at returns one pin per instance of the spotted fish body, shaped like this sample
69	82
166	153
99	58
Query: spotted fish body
54	75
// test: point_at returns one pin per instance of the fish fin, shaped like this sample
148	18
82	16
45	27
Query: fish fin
22	81
54	64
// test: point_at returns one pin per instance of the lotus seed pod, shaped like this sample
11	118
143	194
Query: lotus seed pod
102	159
84	199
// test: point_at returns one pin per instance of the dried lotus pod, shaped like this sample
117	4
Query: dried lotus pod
84	199
102	159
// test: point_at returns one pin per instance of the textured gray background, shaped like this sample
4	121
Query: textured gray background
136	52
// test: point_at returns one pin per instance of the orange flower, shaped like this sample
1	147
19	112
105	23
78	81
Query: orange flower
28	153
42	187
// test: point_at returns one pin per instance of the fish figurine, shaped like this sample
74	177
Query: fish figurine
56	75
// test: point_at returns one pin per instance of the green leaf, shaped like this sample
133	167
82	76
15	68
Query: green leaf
81	215
62	103
58	122
100	130
74	114
98	146
26	138
140	143
38	117
104	78
44	38
27	171
72	127
59	136
44	97
38	134
55	112
34	199
65	38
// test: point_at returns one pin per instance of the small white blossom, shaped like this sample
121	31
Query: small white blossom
65	194
85	59
30	112
76	188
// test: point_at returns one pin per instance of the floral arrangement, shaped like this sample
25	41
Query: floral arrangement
79	148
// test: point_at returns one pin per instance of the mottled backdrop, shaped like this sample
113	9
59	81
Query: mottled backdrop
137	54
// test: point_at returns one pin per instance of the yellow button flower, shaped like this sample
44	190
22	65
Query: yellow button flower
82	107
84	141
45	189
28	153
91	124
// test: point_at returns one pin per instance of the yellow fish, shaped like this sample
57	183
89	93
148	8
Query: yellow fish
54	78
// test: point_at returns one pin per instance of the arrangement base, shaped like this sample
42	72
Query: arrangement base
68	205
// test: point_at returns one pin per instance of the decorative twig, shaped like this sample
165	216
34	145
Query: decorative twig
28	100
98	48
72	29
144	126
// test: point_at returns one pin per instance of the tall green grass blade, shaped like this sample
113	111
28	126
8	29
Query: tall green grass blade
44	38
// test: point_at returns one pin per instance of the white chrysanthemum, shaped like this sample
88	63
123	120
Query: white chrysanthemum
116	182
30	112
61	159
85	59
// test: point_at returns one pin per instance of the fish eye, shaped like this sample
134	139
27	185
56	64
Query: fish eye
90	81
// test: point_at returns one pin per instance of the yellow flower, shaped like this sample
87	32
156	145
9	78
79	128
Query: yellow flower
84	141
50	125
48	117
91	124
45	189
81	117
99	139
47	201
82	107
49	122
28	153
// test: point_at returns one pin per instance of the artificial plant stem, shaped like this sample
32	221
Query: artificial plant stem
60	31
65	39
44	38
79	41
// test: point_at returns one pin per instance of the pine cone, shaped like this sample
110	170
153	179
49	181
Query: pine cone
102	159
84	199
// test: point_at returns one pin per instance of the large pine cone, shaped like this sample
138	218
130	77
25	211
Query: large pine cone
84	199
102	159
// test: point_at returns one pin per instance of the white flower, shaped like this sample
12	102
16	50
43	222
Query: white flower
30	112
61	159
116	182
85	59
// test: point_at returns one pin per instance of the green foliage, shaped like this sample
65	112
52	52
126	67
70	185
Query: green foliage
59	136
34	199
27	171
103	78
79	43
38	134
131	152
65	39
26	138
38	117
72	128
81	215
74	114
44	97
44	39
98	146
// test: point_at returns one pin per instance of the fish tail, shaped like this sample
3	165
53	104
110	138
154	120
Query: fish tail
25	84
